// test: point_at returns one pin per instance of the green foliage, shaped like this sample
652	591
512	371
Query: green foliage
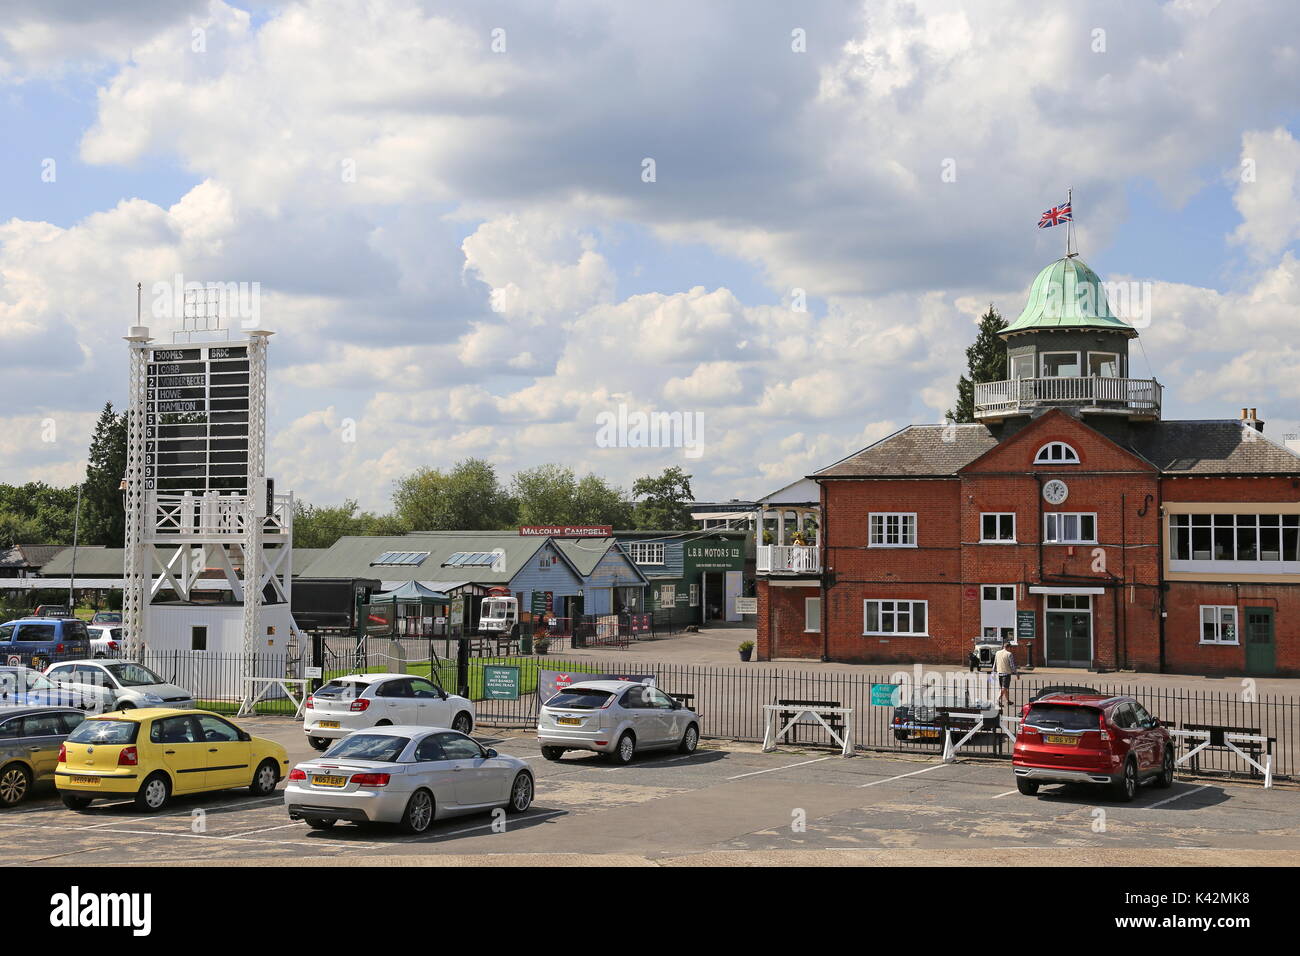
552	494
36	513
664	502
103	520
467	498
986	361
319	526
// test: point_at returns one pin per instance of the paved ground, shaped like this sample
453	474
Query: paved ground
725	805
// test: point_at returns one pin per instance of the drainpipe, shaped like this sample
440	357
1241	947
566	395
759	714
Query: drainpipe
823	537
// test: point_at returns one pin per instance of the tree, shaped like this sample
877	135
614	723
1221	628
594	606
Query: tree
551	494
467	498
319	526
986	361
37	513
664	503
103	517
600	503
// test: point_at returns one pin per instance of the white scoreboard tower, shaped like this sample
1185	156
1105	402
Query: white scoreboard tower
201	515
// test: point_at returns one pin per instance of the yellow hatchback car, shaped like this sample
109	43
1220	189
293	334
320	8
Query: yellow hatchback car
151	754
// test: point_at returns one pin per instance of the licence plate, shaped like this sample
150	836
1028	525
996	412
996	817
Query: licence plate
86	781
332	724
569	721
326	780
1061	739
927	733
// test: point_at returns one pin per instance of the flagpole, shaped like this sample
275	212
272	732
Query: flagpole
1069	226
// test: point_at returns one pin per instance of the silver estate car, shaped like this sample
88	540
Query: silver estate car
30	738
617	718
406	775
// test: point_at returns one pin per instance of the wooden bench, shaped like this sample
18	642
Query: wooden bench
833	720
1217	733
686	700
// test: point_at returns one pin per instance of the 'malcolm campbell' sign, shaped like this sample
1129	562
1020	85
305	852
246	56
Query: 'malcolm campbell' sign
562	531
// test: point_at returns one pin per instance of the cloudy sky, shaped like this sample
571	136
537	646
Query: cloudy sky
457	236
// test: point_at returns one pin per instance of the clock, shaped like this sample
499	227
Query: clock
1055	491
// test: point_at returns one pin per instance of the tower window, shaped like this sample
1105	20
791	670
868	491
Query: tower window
1104	364
1056	453
1061	365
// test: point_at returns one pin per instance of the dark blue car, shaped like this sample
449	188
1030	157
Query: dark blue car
40	641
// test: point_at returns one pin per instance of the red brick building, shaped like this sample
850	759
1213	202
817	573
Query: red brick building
1071	520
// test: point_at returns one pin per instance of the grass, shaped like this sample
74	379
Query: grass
528	668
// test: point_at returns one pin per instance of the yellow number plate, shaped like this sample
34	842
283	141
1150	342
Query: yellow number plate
332	724
568	721
325	780
84	781
927	733
1061	739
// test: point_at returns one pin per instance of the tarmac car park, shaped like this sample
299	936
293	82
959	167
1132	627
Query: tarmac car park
725	800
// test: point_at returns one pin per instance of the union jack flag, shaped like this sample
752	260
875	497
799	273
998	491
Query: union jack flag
1055	216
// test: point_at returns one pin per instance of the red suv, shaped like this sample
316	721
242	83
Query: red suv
1091	738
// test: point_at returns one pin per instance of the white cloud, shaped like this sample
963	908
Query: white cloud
1268	192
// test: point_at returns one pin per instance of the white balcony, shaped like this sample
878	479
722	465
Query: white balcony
1135	397
787	559
213	516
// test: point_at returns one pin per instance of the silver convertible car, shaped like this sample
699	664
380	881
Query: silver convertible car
616	718
406	775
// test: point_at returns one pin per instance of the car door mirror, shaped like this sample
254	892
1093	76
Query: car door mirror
492	753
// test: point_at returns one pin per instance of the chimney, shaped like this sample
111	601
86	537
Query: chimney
1250	417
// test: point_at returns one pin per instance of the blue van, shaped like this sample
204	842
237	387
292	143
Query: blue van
40	641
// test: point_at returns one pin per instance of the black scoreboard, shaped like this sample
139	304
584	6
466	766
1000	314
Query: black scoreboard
196	419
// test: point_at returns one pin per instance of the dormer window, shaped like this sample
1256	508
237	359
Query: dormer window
1056	453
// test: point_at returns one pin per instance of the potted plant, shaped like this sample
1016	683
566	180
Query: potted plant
543	644
746	649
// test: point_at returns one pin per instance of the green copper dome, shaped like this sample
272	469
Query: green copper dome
1067	295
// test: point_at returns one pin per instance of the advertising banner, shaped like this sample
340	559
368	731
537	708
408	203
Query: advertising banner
550	683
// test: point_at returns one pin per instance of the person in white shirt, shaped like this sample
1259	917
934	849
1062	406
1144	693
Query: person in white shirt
1004	665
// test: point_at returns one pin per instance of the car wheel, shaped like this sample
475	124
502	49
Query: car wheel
419	812
384	723
552	753
690	740
463	723
625	750
15	783
75	802
320	823
1126	787
1166	778
265	779
125	705
155	793
1027	787
521	793
318	743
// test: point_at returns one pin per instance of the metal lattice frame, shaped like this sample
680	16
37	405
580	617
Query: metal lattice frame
137	564
256	503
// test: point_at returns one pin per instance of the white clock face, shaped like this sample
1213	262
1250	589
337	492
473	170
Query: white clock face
1055	491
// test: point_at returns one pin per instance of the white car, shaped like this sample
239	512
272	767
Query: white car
406	775
126	683
105	639
359	701
616	718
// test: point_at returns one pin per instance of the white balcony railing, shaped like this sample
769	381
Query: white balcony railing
787	558
213	515
1140	396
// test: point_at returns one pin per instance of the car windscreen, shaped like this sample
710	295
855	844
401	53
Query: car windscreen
580	698
1064	717
345	689
36	632
95	731
382	747
133	675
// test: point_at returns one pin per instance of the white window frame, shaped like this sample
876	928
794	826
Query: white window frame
999	515
905	518
812	615
637	550
880	616
670	589
1042	363
695	595
1119	364
1048	517
1015	360
1043	455
1218	610
1007	629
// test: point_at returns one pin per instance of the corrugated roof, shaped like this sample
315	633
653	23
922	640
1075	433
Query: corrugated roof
351	557
917	451
28	555
100	562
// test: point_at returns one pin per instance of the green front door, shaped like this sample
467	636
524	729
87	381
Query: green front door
1260	648
1069	639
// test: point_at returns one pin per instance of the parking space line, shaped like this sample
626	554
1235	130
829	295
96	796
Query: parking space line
902	775
1177	796
1007	794
801	763
282	826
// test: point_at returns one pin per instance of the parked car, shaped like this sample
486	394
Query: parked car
152	754
128	684
29	748
617	718
408	775
1092	738
36	641
359	701
24	687
105	640
106	617
51	610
